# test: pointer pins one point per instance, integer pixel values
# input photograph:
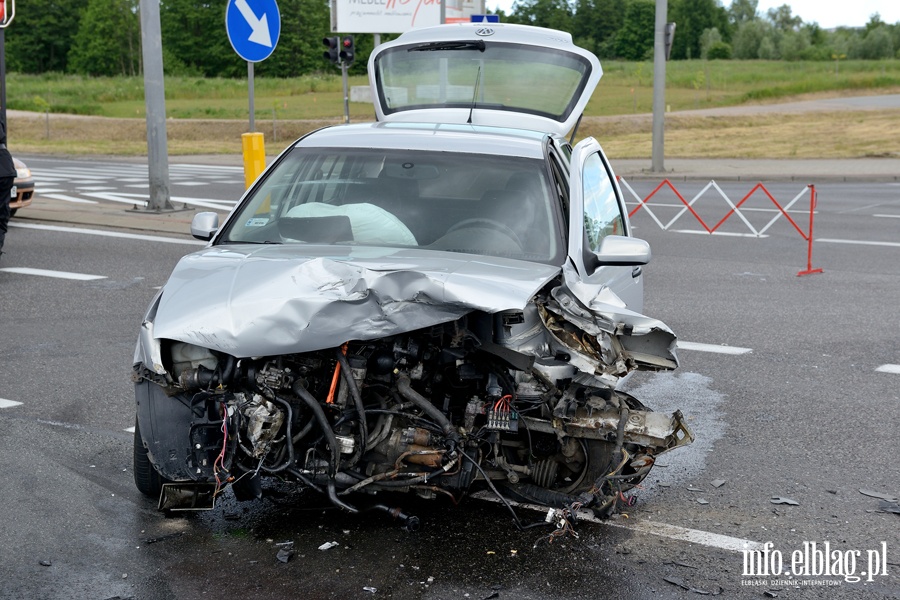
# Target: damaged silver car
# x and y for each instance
(439, 302)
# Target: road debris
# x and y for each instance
(717, 483)
(163, 538)
(45, 563)
(703, 501)
(889, 507)
(370, 589)
(886, 497)
(285, 554)
(780, 500)
(328, 545)
(678, 581)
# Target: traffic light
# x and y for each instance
(348, 51)
(333, 53)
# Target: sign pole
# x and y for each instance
(250, 93)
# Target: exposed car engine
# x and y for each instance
(485, 401)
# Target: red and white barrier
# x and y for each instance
(735, 209)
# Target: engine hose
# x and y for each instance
(324, 425)
(410, 523)
(544, 496)
(405, 387)
(288, 439)
(306, 480)
(357, 399)
(228, 371)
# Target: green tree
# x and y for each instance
(193, 34)
(767, 49)
(708, 38)
(692, 18)
(555, 14)
(635, 39)
(108, 41)
(783, 19)
(877, 44)
(793, 45)
(742, 11)
(748, 37)
(596, 24)
(40, 37)
(719, 51)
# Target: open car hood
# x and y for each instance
(484, 74)
(250, 300)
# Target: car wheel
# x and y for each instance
(147, 480)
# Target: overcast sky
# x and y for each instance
(827, 13)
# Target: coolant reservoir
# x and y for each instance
(189, 356)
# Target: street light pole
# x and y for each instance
(659, 88)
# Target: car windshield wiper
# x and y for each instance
(430, 47)
(250, 242)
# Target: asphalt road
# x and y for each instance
(804, 407)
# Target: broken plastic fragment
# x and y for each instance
(872, 494)
(284, 555)
(369, 589)
(717, 483)
(780, 500)
(702, 501)
(328, 545)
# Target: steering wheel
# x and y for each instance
(488, 224)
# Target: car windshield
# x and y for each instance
(449, 201)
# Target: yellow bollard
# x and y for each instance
(254, 156)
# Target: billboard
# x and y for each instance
(397, 16)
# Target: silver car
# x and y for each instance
(439, 302)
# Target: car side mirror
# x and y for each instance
(205, 225)
(623, 251)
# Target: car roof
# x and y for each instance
(442, 137)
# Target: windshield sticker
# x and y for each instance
(256, 222)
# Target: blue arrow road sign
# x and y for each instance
(253, 28)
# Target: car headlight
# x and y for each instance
(23, 173)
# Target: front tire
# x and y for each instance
(147, 480)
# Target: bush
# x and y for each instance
(719, 50)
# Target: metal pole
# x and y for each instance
(3, 78)
(250, 94)
(155, 99)
(659, 88)
(346, 95)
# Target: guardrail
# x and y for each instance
(735, 209)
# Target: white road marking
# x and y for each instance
(67, 198)
(115, 234)
(95, 188)
(55, 274)
(888, 216)
(674, 532)
(798, 211)
(4, 403)
(726, 233)
(861, 242)
(895, 369)
(735, 350)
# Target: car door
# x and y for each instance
(597, 210)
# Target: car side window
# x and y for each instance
(602, 216)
